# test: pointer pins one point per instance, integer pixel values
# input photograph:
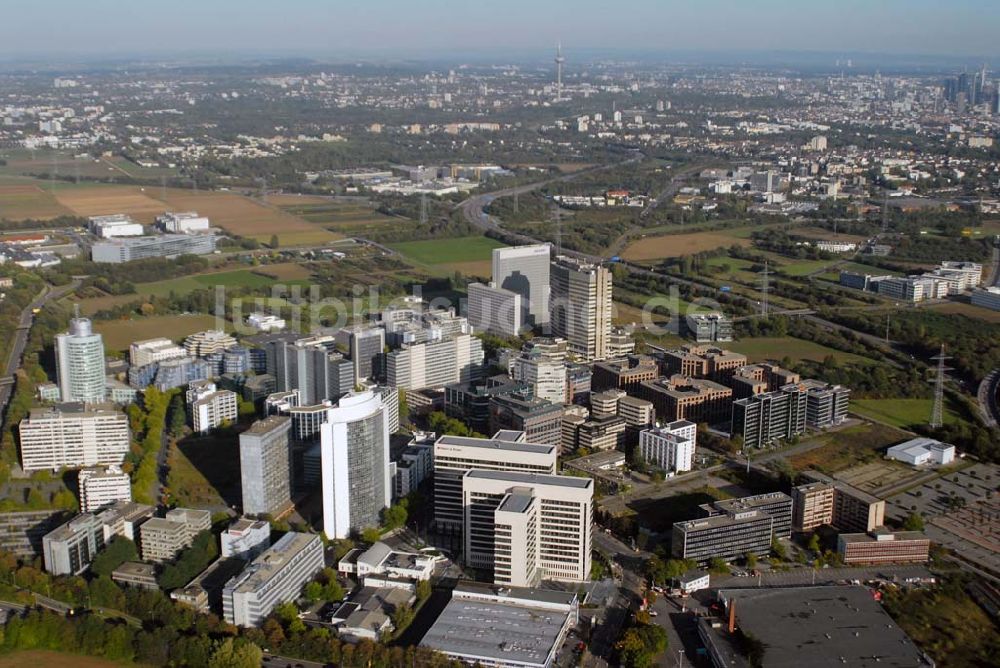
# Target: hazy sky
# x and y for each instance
(422, 27)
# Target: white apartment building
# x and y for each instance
(527, 527)
(245, 538)
(142, 353)
(183, 223)
(212, 409)
(669, 447)
(102, 486)
(456, 455)
(69, 435)
(276, 576)
(435, 364)
(494, 310)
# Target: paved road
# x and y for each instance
(21, 337)
(987, 398)
(276, 661)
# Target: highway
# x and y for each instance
(21, 337)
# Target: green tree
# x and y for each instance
(718, 566)
(236, 653)
(751, 559)
(118, 550)
(313, 591)
(813, 544)
(178, 416)
(913, 522)
(371, 535)
(274, 241)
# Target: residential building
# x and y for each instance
(275, 576)
(245, 539)
(581, 305)
(539, 419)
(525, 271)
(72, 435)
(458, 359)
(541, 365)
(116, 251)
(69, 549)
(692, 399)
(102, 486)
(142, 353)
(709, 327)
(213, 409)
(528, 627)
(921, 451)
(266, 466)
(625, 374)
(162, 538)
(80, 363)
(526, 527)
(764, 419)
(201, 344)
(494, 310)
(669, 447)
(881, 546)
(455, 455)
(355, 460)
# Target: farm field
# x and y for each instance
(902, 413)
(18, 202)
(118, 334)
(676, 245)
(827, 235)
(776, 348)
(470, 255)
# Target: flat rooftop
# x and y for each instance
(272, 560)
(496, 632)
(832, 626)
(496, 444)
(532, 478)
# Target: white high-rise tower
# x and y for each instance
(80, 363)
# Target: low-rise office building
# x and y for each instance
(922, 451)
(669, 447)
(539, 419)
(69, 549)
(116, 251)
(213, 409)
(709, 327)
(277, 575)
(163, 538)
(245, 538)
(882, 546)
(691, 399)
(824, 500)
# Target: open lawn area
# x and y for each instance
(18, 202)
(118, 334)
(470, 255)
(676, 245)
(844, 448)
(902, 413)
(37, 658)
(776, 348)
(201, 472)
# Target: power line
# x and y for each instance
(937, 414)
(764, 287)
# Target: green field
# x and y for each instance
(844, 448)
(902, 413)
(773, 348)
(805, 267)
(468, 255)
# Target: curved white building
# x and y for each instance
(354, 447)
(80, 363)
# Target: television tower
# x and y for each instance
(560, 60)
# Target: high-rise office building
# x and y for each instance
(765, 418)
(355, 462)
(542, 366)
(525, 527)
(366, 345)
(580, 304)
(456, 455)
(541, 420)
(71, 435)
(494, 310)
(313, 367)
(266, 466)
(80, 363)
(524, 270)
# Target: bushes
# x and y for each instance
(115, 553)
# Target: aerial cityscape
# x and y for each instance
(515, 336)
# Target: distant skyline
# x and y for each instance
(438, 28)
